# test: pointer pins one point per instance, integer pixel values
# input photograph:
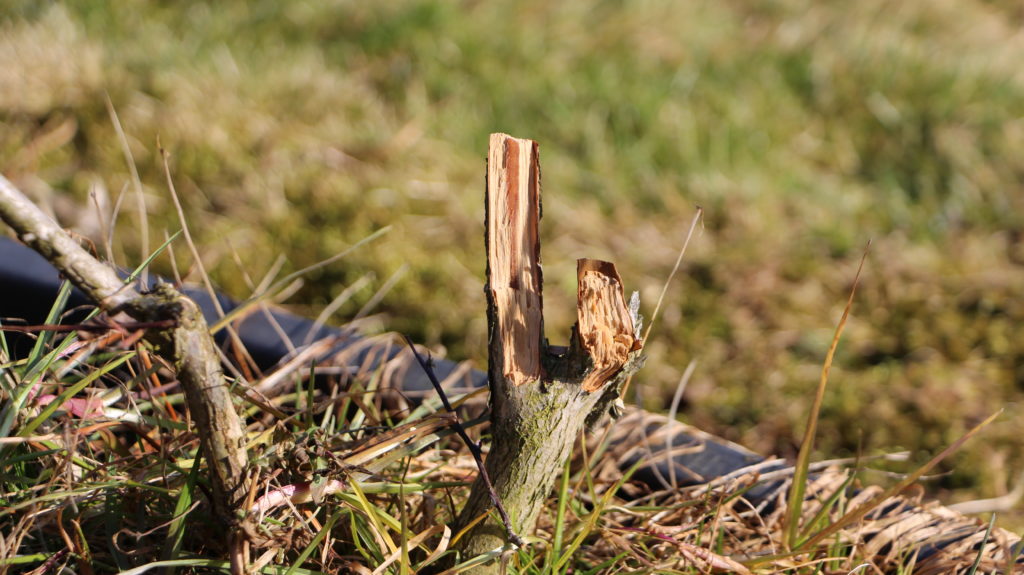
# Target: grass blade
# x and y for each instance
(145, 263)
(981, 547)
(315, 542)
(176, 530)
(52, 318)
(864, 509)
(563, 501)
(794, 508)
(56, 404)
(591, 521)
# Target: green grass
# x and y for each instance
(804, 130)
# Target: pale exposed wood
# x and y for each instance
(513, 254)
(605, 326)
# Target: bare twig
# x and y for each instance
(672, 274)
(90, 327)
(42, 234)
(474, 448)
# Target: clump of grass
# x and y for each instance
(101, 464)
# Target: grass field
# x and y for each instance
(804, 130)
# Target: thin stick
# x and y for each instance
(675, 268)
(185, 232)
(140, 198)
(99, 282)
(664, 290)
(473, 447)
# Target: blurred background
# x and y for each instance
(804, 129)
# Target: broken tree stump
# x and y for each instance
(542, 396)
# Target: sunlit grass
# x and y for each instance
(802, 130)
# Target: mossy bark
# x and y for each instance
(531, 439)
(190, 348)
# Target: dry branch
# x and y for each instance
(40, 233)
(187, 344)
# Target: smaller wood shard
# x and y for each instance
(605, 326)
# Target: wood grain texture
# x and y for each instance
(513, 255)
(605, 326)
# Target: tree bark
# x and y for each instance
(542, 396)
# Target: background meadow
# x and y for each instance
(804, 129)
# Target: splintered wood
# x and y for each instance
(605, 325)
(514, 277)
(513, 255)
